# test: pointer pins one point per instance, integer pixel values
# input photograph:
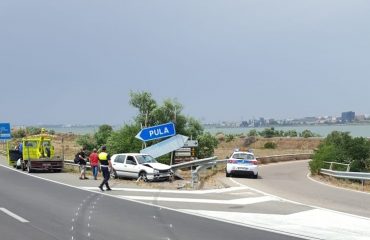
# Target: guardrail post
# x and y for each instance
(194, 176)
(331, 166)
(348, 167)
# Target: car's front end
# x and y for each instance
(158, 171)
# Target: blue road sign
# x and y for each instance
(5, 131)
(157, 132)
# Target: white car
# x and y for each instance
(136, 165)
(242, 163)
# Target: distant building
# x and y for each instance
(348, 116)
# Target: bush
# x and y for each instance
(342, 148)
(315, 166)
(33, 130)
(86, 141)
(307, 134)
(229, 137)
(270, 145)
(19, 133)
(124, 141)
(206, 145)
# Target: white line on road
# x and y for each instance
(315, 223)
(239, 201)
(13, 215)
(221, 190)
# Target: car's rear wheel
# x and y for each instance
(228, 174)
(113, 174)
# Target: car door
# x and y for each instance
(118, 165)
(131, 167)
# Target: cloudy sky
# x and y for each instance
(75, 61)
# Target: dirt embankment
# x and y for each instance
(224, 149)
(282, 146)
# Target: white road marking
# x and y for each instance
(13, 215)
(316, 223)
(239, 201)
(221, 190)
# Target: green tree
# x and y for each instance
(290, 133)
(124, 141)
(87, 141)
(193, 128)
(102, 135)
(253, 133)
(144, 102)
(206, 145)
(268, 133)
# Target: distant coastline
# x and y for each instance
(355, 129)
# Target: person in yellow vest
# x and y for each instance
(105, 165)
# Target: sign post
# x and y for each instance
(157, 132)
(5, 131)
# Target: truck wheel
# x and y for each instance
(29, 170)
(23, 167)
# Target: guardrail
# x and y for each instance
(336, 163)
(193, 163)
(347, 175)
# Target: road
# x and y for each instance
(289, 180)
(55, 211)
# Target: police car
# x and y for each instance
(242, 163)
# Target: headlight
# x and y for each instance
(156, 171)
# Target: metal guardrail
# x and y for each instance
(336, 163)
(192, 163)
(347, 175)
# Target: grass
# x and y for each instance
(343, 183)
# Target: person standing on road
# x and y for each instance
(105, 165)
(82, 163)
(94, 163)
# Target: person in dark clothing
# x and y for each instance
(105, 165)
(82, 163)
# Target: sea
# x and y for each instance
(355, 130)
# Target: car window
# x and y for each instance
(130, 160)
(120, 159)
(243, 156)
(145, 159)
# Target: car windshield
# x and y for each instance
(247, 156)
(145, 159)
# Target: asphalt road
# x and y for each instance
(54, 211)
(289, 180)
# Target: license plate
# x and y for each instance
(46, 164)
(242, 168)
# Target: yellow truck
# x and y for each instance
(35, 153)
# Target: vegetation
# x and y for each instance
(29, 131)
(342, 148)
(270, 145)
(149, 114)
(271, 132)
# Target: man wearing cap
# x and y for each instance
(105, 166)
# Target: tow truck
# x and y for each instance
(36, 153)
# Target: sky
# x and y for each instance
(76, 61)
